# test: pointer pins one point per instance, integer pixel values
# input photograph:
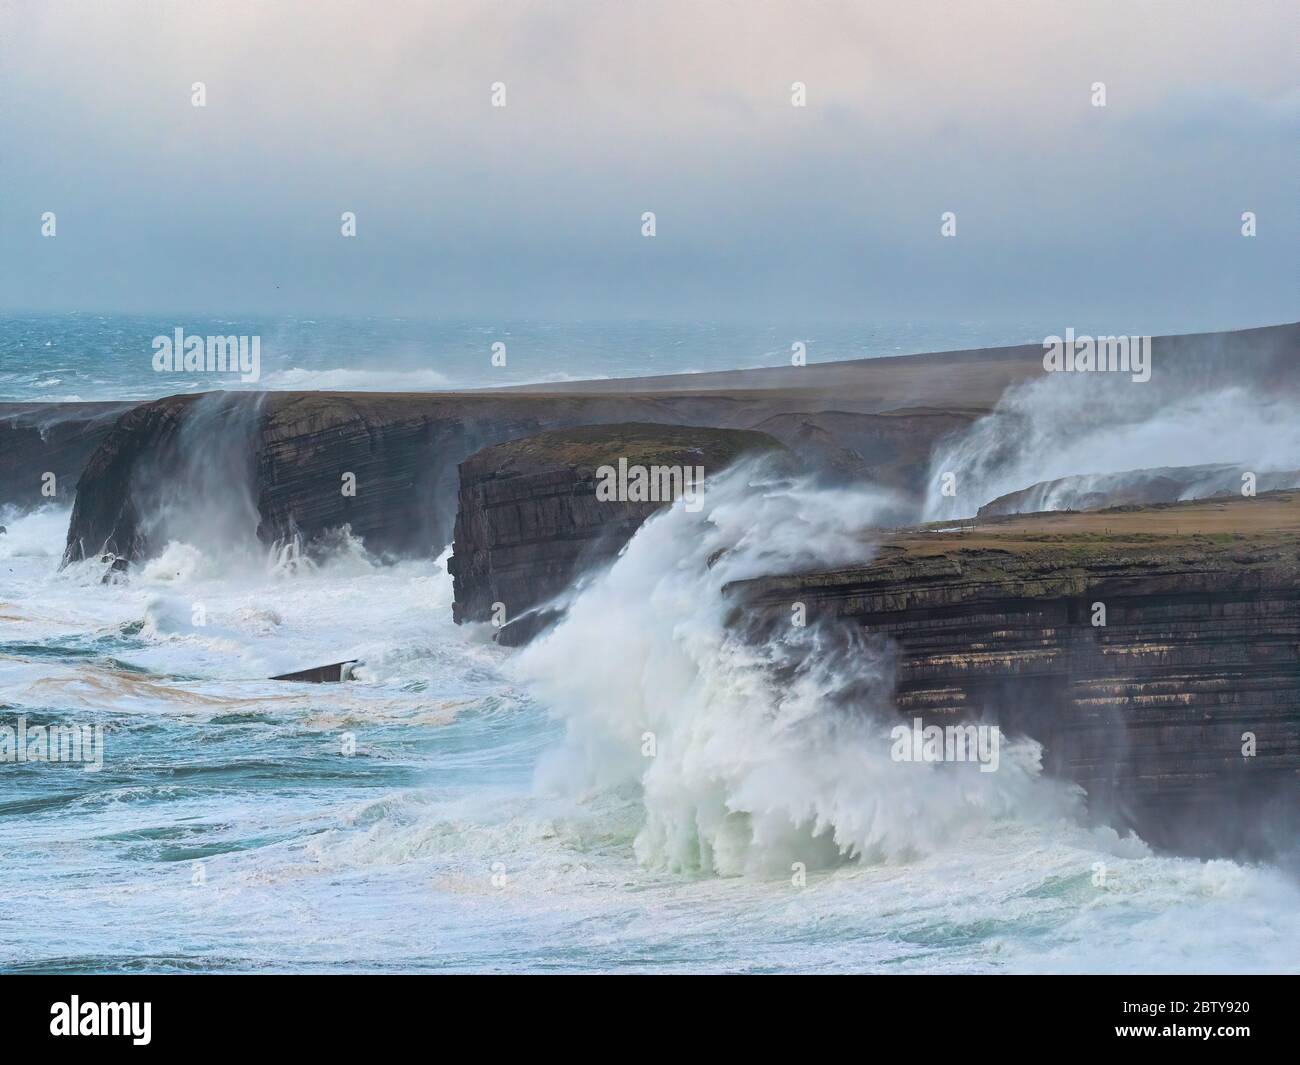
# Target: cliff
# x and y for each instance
(41, 438)
(531, 517)
(994, 623)
(173, 467)
(285, 455)
(1149, 711)
(180, 466)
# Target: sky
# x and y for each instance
(1128, 213)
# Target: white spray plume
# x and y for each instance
(1063, 425)
(766, 753)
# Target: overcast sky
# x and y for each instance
(1128, 213)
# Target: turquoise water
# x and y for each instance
(228, 829)
(464, 807)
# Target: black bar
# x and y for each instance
(336, 1014)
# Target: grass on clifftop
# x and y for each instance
(1206, 524)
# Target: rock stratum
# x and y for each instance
(277, 460)
(272, 465)
(990, 621)
(1148, 713)
(37, 439)
(531, 518)
(1167, 484)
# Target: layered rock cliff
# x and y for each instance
(532, 514)
(1147, 704)
(303, 464)
(280, 463)
(1147, 712)
(49, 438)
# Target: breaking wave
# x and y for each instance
(750, 756)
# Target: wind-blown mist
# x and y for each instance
(1100, 423)
(763, 754)
(204, 493)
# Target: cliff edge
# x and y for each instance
(1154, 652)
(536, 512)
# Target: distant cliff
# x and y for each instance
(1149, 712)
(285, 454)
(41, 438)
(531, 516)
(279, 461)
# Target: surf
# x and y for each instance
(750, 757)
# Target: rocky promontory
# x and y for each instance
(533, 515)
(1153, 651)
(1151, 711)
(281, 465)
(301, 464)
(38, 439)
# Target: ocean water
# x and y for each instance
(465, 807)
(62, 357)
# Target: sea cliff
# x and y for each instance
(532, 517)
(1154, 652)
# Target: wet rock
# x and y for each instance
(1148, 712)
(57, 438)
(280, 459)
(116, 572)
(334, 673)
(531, 517)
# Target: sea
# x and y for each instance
(638, 791)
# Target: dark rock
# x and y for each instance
(334, 673)
(57, 438)
(270, 465)
(1201, 645)
(891, 448)
(530, 519)
(106, 517)
(116, 572)
(276, 461)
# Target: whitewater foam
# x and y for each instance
(441, 844)
(1052, 428)
(753, 756)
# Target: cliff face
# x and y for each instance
(286, 458)
(531, 516)
(106, 515)
(57, 438)
(277, 461)
(1148, 712)
(891, 448)
(307, 463)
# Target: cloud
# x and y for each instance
(613, 109)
